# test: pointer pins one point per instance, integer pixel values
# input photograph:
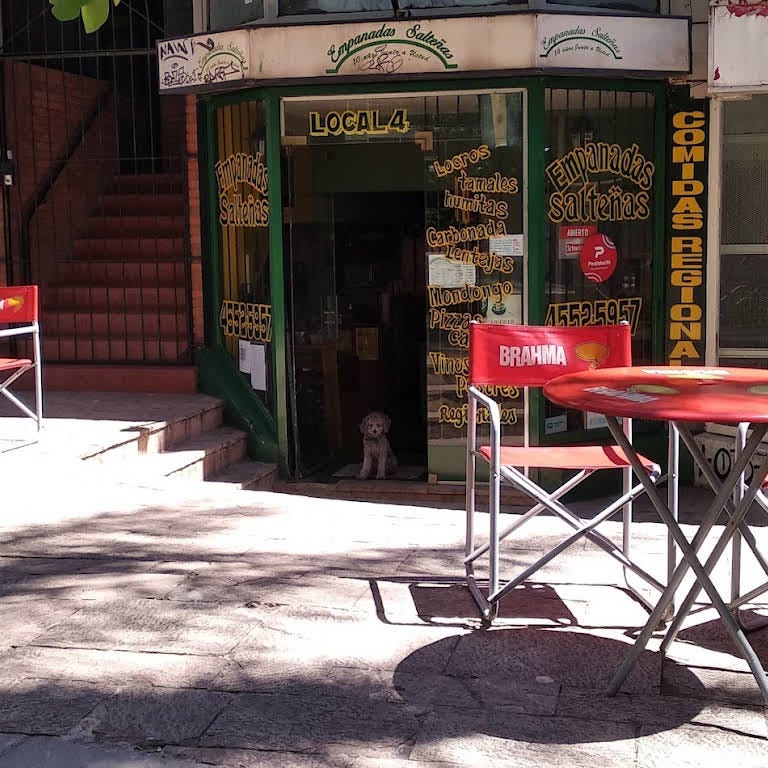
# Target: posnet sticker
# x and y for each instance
(598, 258)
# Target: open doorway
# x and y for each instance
(354, 244)
(380, 288)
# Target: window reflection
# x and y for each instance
(225, 14)
(644, 6)
(297, 7)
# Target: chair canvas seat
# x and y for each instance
(9, 363)
(503, 356)
(590, 457)
(19, 315)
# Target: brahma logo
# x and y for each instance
(592, 352)
(532, 354)
(14, 303)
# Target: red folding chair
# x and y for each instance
(19, 310)
(529, 356)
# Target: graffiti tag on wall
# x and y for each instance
(203, 60)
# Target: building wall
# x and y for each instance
(194, 218)
(698, 10)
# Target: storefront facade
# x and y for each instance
(371, 187)
(737, 236)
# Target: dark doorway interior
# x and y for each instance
(380, 287)
(354, 237)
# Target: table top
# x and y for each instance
(666, 393)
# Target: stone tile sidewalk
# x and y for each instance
(190, 626)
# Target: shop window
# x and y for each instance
(224, 14)
(404, 220)
(298, 7)
(640, 6)
(743, 327)
(600, 182)
(478, 156)
(245, 314)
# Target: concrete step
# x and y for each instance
(102, 349)
(143, 225)
(247, 475)
(116, 323)
(161, 203)
(82, 377)
(415, 492)
(183, 423)
(130, 248)
(132, 274)
(137, 183)
(72, 298)
(196, 458)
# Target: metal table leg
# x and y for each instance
(688, 553)
(736, 522)
(737, 598)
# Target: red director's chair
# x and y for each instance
(529, 356)
(19, 309)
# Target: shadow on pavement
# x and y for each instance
(546, 686)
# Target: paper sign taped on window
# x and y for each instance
(243, 355)
(506, 245)
(449, 273)
(258, 366)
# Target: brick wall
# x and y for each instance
(45, 110)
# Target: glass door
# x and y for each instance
(475, 251)
(308, 236)
(353, 233)
(404, 220)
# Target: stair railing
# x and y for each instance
(102, 102)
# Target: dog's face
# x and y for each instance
(375, 425)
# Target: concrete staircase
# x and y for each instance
(121, 298)
(190, 444)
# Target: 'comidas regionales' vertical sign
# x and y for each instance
(687, 229)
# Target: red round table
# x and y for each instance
(681, 395)
(670, 393)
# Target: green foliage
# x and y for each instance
(93, 12)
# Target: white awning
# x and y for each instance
(382, 50)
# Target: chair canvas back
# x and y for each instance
(531, 355)
(18, 304)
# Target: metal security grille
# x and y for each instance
(618, 122)
(94, 201)
(583, 204)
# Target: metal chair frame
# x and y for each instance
(517, 477)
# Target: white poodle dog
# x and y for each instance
(376, 447)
